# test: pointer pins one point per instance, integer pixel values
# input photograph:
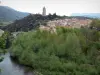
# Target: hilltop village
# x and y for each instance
(67, 22)
(46, 22)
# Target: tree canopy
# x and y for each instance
(69, 52)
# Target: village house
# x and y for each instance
(69, 23)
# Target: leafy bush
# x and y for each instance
(69, 52)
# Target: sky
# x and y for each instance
(61, 7)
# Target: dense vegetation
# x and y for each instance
(4, 43)
(95, 24)
(30, 22)
(69, 52)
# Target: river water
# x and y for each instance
(8, 67)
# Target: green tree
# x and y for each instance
(68, 52)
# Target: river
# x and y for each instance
(8, 67)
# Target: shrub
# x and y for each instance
(69, 52)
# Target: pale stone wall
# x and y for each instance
(1, 32)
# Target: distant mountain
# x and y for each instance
(9, 14)
(91, 15)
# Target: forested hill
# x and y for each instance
(30, 22)
(9, 14)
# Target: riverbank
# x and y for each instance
(9, 67)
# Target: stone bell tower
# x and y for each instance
(44, 11)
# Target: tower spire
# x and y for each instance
(44, 11)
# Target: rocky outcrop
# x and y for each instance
(1, 32)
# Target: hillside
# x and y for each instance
(35, 20)
(30, 22)
(9, 14)
(91, 15)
